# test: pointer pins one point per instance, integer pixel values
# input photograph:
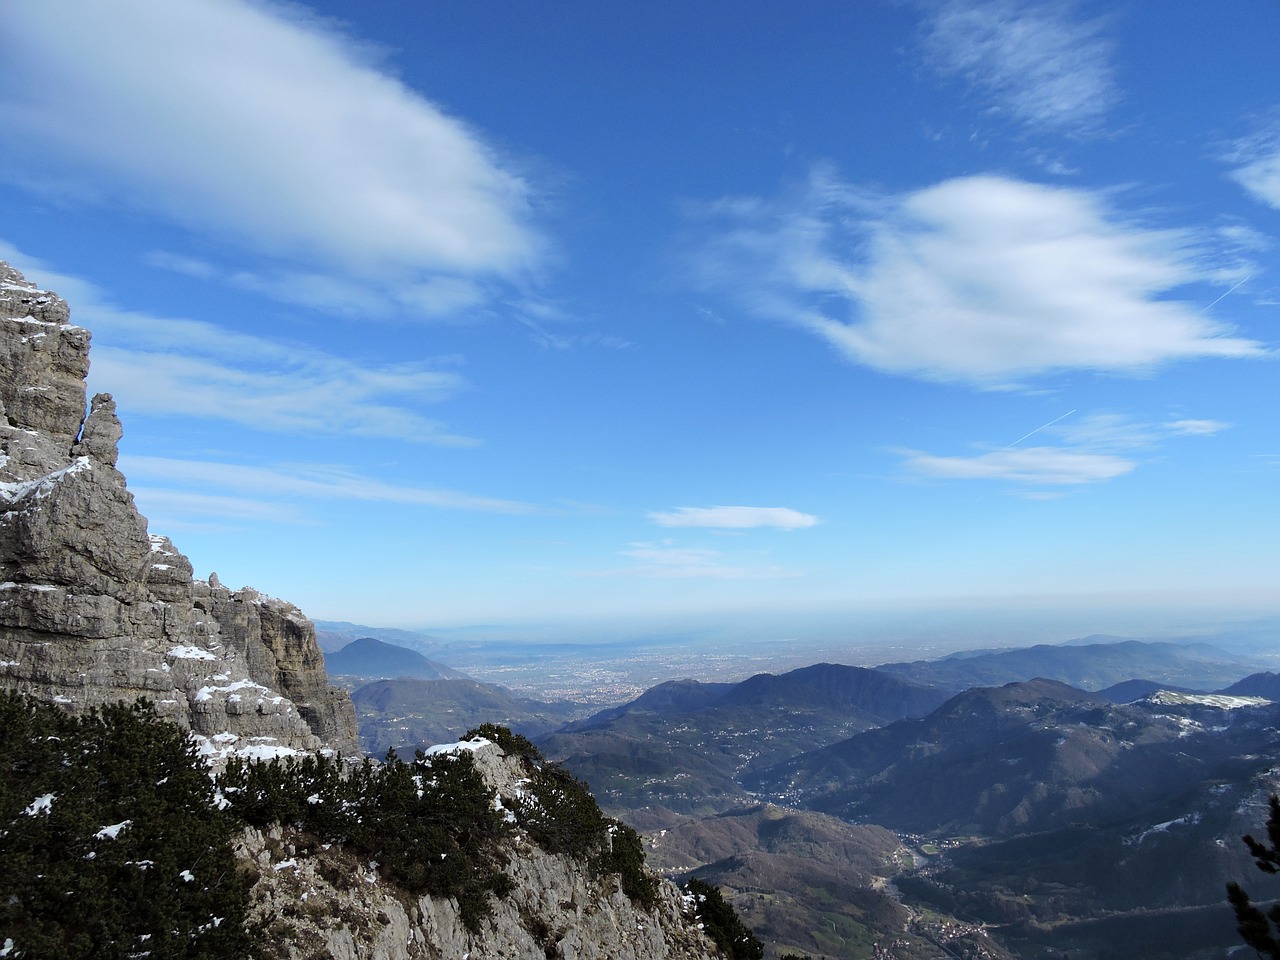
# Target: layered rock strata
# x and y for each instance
(94, 609)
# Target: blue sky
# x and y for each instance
(438, 313)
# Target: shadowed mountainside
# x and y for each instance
(370, 657)
(411, 714)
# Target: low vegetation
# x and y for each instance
(116, 843)
(430, 824)
(110, 842)
(721, 923)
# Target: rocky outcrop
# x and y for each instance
(94, 609)
(322, 902)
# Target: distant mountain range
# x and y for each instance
(370, 657)
(1091, 666)
(333, 635)
(683, 744)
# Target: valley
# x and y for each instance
(905, 811)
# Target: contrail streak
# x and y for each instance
(1043, 425)
(1224, 296)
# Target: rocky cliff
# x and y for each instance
(320, 901)
(93, 608)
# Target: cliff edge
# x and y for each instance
(93, 608)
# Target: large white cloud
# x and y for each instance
(1035, 61)
(251, 120)
(983, 279)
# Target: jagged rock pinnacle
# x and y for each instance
(93, 609)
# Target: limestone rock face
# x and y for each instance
(93, 609)
(556, 908)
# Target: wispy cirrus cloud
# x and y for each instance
(260, 123)
(1197, 428)
(1255, 162)
(1035, 62)
(171, 366)
(734, 518)
(1092, 449)
(1035, 465)
(668, 560)
(984, 280)
(248, 484)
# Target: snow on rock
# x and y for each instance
(191, 653)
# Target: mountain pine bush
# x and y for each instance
(1258, 929)
(721, 922)
(429, 823)
(110, 843)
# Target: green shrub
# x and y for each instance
(721, 922)
(429, 824)
(109, 838)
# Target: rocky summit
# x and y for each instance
(93, 608)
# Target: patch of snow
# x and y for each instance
(206, 693)
(59, 698)
(187, 876)
(7, 949)
(112, 831)
(1222, 701)
(463, 746)
(291, 863)
(264, 751)
(183, 652)
(42, 486)
(42, 804)
(1189, 820)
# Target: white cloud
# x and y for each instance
(1256, 161)
(1049, 465)
(667, 560)
(781, 518)
(176, 508)
(166, 366)
(985, 280)
(1090, 451)
(1033, 60)
(1197, 428)
(258, 122)
(317, 481)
